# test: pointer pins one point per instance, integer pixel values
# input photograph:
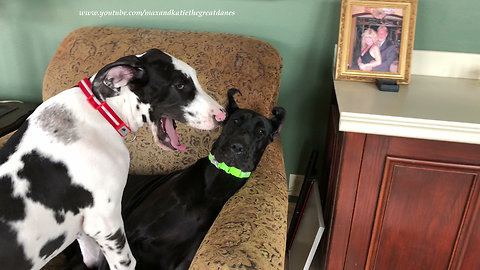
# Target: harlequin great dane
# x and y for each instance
(63, 172)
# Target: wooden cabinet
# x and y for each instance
(400, 203)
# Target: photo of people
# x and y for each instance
(375, 41)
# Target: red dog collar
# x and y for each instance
(103, 108)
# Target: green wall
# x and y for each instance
(303, 31)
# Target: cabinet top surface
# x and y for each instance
(435, 108)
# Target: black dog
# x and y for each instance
(166, 218)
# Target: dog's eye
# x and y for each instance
(180, 86)
(236, 121)
(260, 132)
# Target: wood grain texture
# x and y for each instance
(421, 214)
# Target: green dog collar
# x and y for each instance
(230, 170)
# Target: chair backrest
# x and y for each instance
(222, 61)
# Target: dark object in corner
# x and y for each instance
(12, 114)
(387, 85)
(310, 175)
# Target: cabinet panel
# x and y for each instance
(421, 214)
(366, 198)
(341, 199)
(470, 258)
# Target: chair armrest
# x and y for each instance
(250, 231)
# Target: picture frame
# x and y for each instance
(375, 40)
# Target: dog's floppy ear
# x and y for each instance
(112, 77)
(277, 121)
(232, 105)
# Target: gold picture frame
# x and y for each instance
(375, 40)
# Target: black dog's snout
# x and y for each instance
(237, 148)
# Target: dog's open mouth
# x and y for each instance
(165, 134)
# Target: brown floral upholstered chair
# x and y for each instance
(250, 231)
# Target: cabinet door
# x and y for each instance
(416, 205)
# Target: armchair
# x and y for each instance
(251, 229)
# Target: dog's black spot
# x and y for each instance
(51, 185)
(126, 263)
(52, 245)
(144, 118)
(11, 208)
(59, 122)
(59, 217)
(11, 145)
(12, 255)
(161, 90)
(118, 238)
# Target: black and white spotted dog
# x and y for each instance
(63, 172)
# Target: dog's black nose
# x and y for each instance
(237, 148)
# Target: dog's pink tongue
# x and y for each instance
(173, 135)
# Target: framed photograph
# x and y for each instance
(375, 40)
